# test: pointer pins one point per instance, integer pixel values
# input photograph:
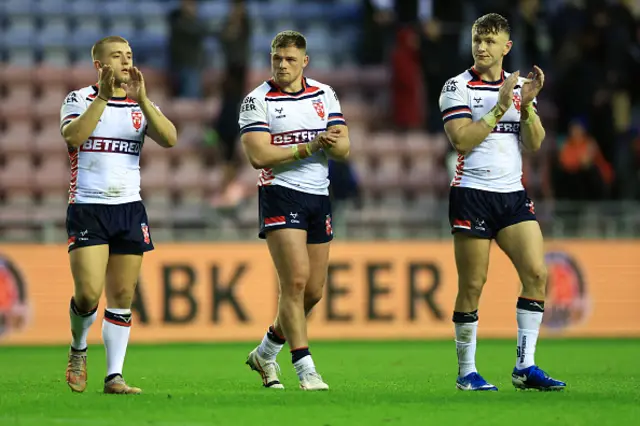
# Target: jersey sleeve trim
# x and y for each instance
(257, 126)
(460, 111)
(335, 119)
(67, 119)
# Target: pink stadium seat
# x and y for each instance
(49, 140)
(49, 104)
(189, 110)
(45, 75)
(82, 76)
(188, 175)
(17, 173)
(19, 102)
(17, 74)
(155, 173)
(53, 173)
(387, 176)
(18, 138)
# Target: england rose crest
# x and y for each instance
(319, 107)
(136, 118)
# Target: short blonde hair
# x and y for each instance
(97, 48)
(289, 39)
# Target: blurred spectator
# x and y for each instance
(377, 25)
(186, 49)
(406, 85)
(235, 38)
(583, 174)
(441, 25)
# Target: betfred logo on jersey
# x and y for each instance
(118, 146)
(507, 127)
(319, 107)
(136, 118)
(296, 136)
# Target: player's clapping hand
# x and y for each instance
(329, 138)
(135, 87)
(533, 85)
(505, 96)
(106, 82)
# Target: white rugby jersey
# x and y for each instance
(293, 118)
(496, 164)
(105, 169)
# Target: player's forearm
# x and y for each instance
(268, 156)
(80, 128)
(472, 134)
(531, 131)
(162, 129)
(340, 151)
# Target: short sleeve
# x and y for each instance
(73, 106)
(253, 115)
(453, 101)
(335, 112)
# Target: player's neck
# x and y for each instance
(489, 74)
(119, 93)
(293, 87)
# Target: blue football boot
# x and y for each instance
(534, 378)
(474, 382)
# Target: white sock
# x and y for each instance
(466, 333)
(304, 366)
(80, 324)
(269, 349)
(528, 329)
(116, 328)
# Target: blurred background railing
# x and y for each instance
(386, 59)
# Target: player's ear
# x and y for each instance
(305, 61)
(507, 48)
(97, 64)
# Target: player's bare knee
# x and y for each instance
(295, 286)
(120, 297)
(472, 288)
(311, 298)
(86, 298)
(535, 277)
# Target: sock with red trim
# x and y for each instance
(80, 324)
(302, 361)
(271, 344)
(116, 328)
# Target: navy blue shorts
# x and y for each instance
(124, 227)
(484, 213)
(281, 207)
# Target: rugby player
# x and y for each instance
(290, 126)
(104, 127)
(489, 116)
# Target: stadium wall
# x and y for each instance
(381, 290)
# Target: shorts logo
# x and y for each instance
(462, 224)
(14, 309)
(145, 233)
(136, 118)
(275, 221)
(327, 225)
(530, 206)
(319, 107)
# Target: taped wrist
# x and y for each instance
(493, 116)
(531, 114)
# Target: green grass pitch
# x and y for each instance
(386, 383)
